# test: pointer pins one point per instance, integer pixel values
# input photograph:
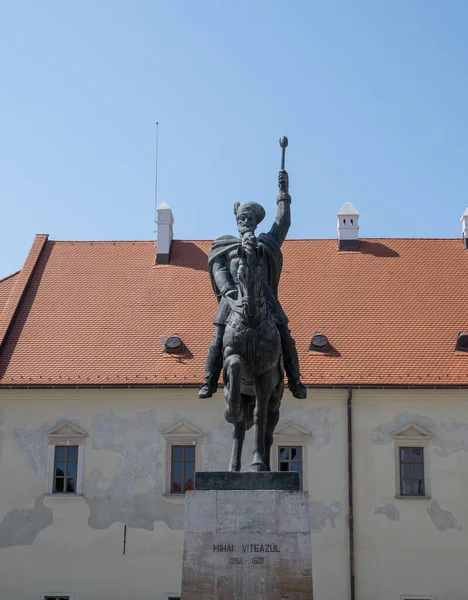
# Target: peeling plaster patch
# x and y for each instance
(316, 420)
(320, 512)
(34, 443)
(443, 519)
(389, 510)
(134, 496)
(448, 436)
(20, 527)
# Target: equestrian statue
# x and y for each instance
(252, 342)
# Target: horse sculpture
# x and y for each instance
(252, 361)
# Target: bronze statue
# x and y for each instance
(252, 339)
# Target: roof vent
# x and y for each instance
(319, 343)
(347, 222)
(173, 344)
(164, 220)
(462, 342)
(464, 221)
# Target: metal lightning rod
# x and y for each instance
(156, 180)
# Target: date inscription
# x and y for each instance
(238, 560)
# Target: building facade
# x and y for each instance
(101, 428)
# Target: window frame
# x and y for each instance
(412, 436)
(291, 435)
(181, 434)
(65, 434)
(182, 460)
(67, 461)
(291, 460)
(412, 462)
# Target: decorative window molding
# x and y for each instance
(411, 432)
(65, 434)
(181, 434)
(412, 436)
(291, 435)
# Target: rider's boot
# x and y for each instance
(213, 366)
(298, 389)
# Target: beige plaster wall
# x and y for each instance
(417, 547)
(414, 547)
(75, 545)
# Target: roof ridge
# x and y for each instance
(10, 276)
(13, 304)
(101, 241)
(309, 239)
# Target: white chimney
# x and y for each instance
(464, 222)
(164, 220)
(347, 223)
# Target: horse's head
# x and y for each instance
(250, 275)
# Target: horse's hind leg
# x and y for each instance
(272, 421)
(232, 389)
(238, 436)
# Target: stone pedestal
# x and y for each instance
(247, 544)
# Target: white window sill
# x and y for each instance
(175, 498)
(65, 496)
(413, 497)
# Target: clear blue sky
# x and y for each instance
(373, 96)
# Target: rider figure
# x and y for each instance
(223, 264)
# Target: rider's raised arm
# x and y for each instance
(222, 276)
(282, 223)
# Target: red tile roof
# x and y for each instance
(94, 312)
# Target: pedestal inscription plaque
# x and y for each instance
(247, 545)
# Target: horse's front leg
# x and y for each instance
(238, 436)
(232, 389)
(263, 388)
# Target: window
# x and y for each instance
(57, 597)
(290, 459)
(182, 469)
(412, 462)
(412, 471)
(171, 597)
(65, 469)
(65, 460)
(290, 444)
(183, 451)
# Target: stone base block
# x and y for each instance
(267, 480)
(247, 545)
